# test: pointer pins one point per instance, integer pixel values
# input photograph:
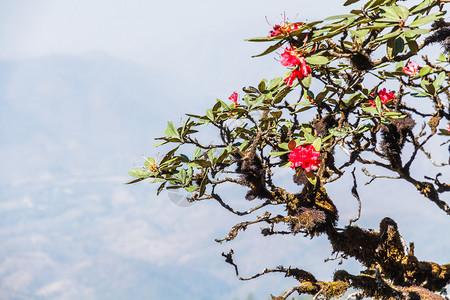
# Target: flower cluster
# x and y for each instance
(234, 97)
(284, 28)
(306, 157)
(385, 97)
(294, 59)
(411, 68)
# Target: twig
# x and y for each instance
(229, 259)
(239, 213)
(377, 176)
(356, 195)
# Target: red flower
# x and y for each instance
(385, 97)
(234, 98)
(277, 30)
(290, 57)
(302, 71)
(284, 28)
(305, 70)
(448, 127)
(306, 157)
(411, 68)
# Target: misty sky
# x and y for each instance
(85, 87)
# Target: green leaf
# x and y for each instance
(420, 95)
(182, 175)
(349, 2)
(428, 87)
(317, 143)
(161, 143)
(388, 36)
(258, 39)
(278, 153)
(134, 181)
(427, 19)
(199, 163)
(306, 81)
(317, 60)
(402, 11)
(262, 85)
(399, 45)
(190, 188)
(139, 173)
(281, 94)
(276, 114)
(364, 128)
(416, 31)
(269, 50)
(421, 6)
(209, 114)
(386, 121)
(374, 3)
(203, 184)
(338, 133)
(160, 188)
(399, 66)
(390, 12)
(222, 156)
(439, 80)
(311, 177)
(211, 155)
(171, 131)
(250, 90)
(274, 83)
(360, 33)
(378, 104)
(168, 156)
(308, 136)
(370, 110)
(258, 101)
(424, 71)
(243, 146)
(412, 44)
(339, 16)
(197, 153)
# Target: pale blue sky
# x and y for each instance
(85, 86)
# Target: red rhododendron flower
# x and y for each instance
(234, 98)
(284, 28)
(290, 79)
(290, 57)
(303, 71)
(411, 68)
(306, 157)
(448, 127)
(384, 97)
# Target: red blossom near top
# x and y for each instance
(234, 98)
(302, 71)
(411, 68)
(448, 128)
(385, 97)
(284, 28)
(306, 157)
